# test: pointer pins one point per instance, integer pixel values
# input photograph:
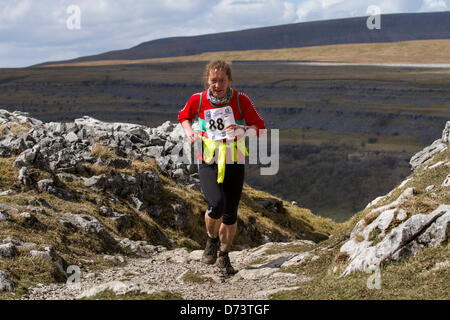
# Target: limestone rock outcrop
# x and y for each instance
(391, 233)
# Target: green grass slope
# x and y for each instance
(423, 276)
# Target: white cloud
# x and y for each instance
(434, 5)
(289, 14)
(329, 3)
(309, 10)
(14, 10)
(243, 14)
(27, 25)
(185, 5)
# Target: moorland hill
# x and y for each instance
(394, 28)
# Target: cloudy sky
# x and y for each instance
(35, 31)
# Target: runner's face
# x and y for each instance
(218, 82)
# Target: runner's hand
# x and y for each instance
(191, 136)
(235, 130)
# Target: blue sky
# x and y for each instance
(35, 31)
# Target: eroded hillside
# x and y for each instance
(396, 248)
(73, 193)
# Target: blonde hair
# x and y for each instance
(219, 65)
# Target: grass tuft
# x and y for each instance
(136, 295)
(195, 277)
(101, 151)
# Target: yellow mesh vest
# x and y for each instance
(210, 146)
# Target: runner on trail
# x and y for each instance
(225, 117)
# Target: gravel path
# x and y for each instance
(168, 270)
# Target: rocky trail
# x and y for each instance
(179, 271)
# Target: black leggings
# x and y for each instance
(223, 198)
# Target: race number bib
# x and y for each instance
(216, 120)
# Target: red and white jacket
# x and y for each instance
(243, 110)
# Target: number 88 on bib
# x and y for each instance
(216, 122)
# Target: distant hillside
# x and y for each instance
(403, 53)
(394, 27)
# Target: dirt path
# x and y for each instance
(182, 272)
